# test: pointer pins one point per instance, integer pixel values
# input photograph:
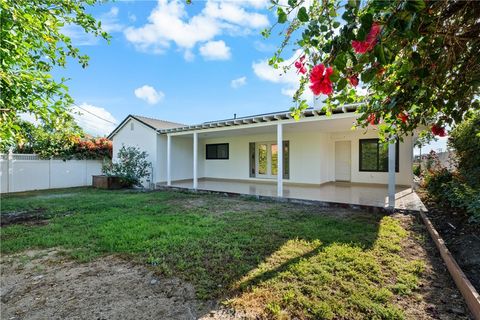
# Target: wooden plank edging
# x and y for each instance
(471, 296)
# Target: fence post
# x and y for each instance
(10, 171)
(86, 172)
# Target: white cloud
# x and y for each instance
(109, 22)
(215, 50)
(290, 79)
(96, 121)
(170, 23)
(149, 94)
(237, 83)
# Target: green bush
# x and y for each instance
(451, 190)
(131, 166)
(416, 170)
(465, 139)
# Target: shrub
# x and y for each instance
(416, 170)
(131, 166)
(451, 190)
(465, 139)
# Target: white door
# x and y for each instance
(342, 160)
(266, 159)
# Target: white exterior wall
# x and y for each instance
(182, 158)
(312, 157)
(142, 137)
(26, 175)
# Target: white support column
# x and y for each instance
(280, 160)
(391, 174)
(169, 160)
(195, 156)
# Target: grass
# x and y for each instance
(272, 259)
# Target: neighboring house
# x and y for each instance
(317, 150)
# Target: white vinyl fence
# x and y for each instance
(24, 172)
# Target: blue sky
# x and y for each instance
(178, 62)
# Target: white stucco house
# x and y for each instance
(322, 159)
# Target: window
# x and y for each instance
(217, 151)
(132, 127)
(374, 155)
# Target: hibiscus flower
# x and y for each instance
(372, 119)
(320, 80)
(353, 80)
(438, 131)
(403, 116)
(300, 65)
(370, 40)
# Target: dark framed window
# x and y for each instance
(374, 155)
(217, 151)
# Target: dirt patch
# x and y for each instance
(44, 285)
(31, 217)
(461, 237)
(437, 296)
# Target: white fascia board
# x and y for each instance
(272, 123)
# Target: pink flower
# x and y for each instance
(300, 65)
(370, 40)
(438, 131)
(353, 80)
(320, 79)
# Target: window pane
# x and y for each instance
(211, 151)
(274, 159)
(383, 157)
(286, 159)
(369, 155)
(222, 151)
(262, 159)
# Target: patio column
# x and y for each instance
(279, 160)
(169, 160)
(195, 154)
(391, 173)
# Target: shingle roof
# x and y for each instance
(154, 124)
(157, 123)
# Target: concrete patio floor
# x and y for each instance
(373, 195)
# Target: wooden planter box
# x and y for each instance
(105, 182)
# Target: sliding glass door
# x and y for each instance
(267, 159)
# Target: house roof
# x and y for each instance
(154, 124)
(265, 117)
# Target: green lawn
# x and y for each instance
(273, 259)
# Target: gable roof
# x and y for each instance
(154, 124)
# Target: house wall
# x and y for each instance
(182, 158)
(312, 157)
(142, 137)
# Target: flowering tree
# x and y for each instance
(418, 60)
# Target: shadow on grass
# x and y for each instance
(219, 244)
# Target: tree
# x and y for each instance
(31, 45)
(418, 59)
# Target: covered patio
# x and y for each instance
(356, 194)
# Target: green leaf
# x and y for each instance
(282, 16)
(302, 14)
(368, 75)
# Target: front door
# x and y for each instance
(342, 161)
(266, 159)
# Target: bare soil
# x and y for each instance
(461, 236)
(43, 285)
